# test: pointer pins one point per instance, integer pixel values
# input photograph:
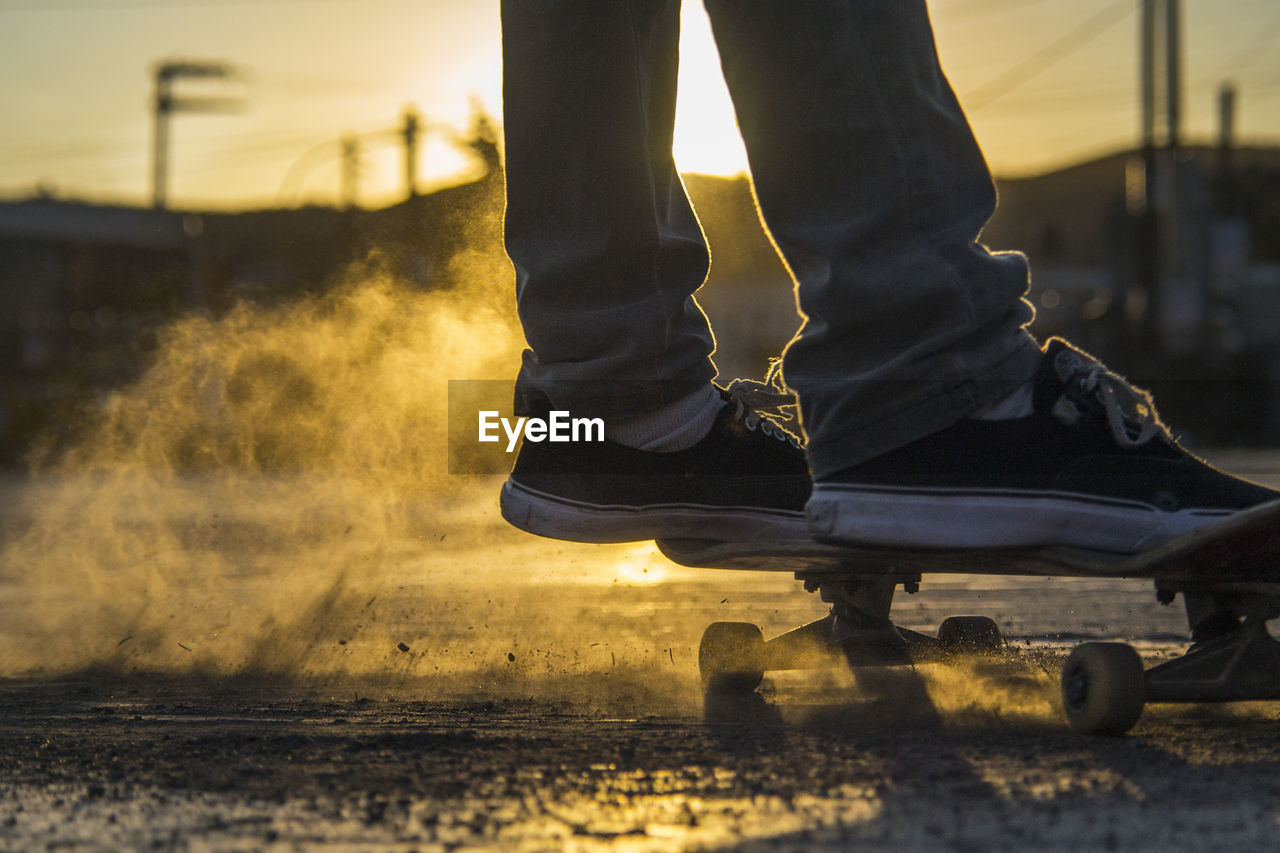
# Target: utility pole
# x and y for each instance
(166, 104)
(411, 132)
(1178, 288)
(1148, 232)
(350, 170)
(1157, 240)
(1226, 116)
(1173, 73)
(1225, 203)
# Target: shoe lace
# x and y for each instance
(1130, 412)
(766, 404)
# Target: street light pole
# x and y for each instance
(163, 107)
(411, 132)
(166, 104)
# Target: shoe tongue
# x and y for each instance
(1061, 362)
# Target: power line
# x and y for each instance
(1247, 55)
(37, 151)
(979, 9)
(1104, 87)
(1083, 102)
(1098, 123)
(127, 5)
(1048, 56)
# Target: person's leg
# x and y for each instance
(608, 254)
(873, 188)
(605, 244)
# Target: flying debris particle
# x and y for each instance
(511, 656)
(188, 648)
(724, 601)
(402, 647)
(125, 640)
(370, 601)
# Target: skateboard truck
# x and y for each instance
(1232, 657)
(735, 655)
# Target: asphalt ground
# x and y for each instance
(270, 665)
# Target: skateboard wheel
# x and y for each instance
(970, 634)
(730, 657)
(1103, 688)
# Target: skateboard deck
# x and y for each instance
(1243, 549)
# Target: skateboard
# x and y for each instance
(1227, 573)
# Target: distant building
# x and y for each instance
(1221, 252)
(86, 286)
(1213, 358)
(1217, 370)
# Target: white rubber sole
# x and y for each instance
(558, 518)
(955, 518)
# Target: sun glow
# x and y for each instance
(638, 566)
(706, 136)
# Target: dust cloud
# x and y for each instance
(272, 496)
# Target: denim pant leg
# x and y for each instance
(605, 244)
(871, 184)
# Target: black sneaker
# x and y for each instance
(747, 480)
(1093, 467)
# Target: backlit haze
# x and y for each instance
(1046, 83)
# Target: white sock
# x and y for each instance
(677, 426)
(1019, 404)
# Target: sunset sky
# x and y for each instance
(1045, 82)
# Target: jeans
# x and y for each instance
(869, 181)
